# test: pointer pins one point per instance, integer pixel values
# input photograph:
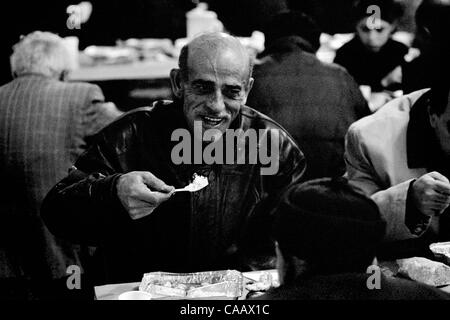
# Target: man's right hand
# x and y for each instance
(140, 193)
(431, 193)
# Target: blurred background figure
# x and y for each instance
(372, 57)
(315, 101)
(45, 125)
(432, 35)
(327, 236)
(46, 15)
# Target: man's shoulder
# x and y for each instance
(396, 46)
(76, 85)
(257, 120)
(137, 119)
(297, 60)
(350, 46)
(392, 117)
(252, 119)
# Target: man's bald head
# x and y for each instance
(210, 44)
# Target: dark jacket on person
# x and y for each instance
(369, 68)
(205, 230)
(315, 101)
(354, 286)
(44, 126)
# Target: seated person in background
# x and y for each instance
(433, 30)
(45, 125)
(315, 101)
(400, 158)
(327, 235)
(372, 57)
(121, 194)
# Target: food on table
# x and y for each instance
(218, 284)
(265, 282)
(441, 251)
(426, 271)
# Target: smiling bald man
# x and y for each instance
(121, 194)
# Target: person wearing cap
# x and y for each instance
(333, 264)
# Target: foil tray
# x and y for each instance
(441, 251)
(224, 284)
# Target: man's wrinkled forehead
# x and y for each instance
(211, 49)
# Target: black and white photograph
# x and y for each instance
(225, 155)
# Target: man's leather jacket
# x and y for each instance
(211, 229)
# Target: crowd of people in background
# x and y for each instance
(359, 174)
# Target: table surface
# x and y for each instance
(112, 291)
(139, 70)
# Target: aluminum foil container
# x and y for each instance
(224, 284)
(441, 251)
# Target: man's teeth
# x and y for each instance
(212, 120)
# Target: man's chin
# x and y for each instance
(213, 133)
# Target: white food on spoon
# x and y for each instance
(197, 184)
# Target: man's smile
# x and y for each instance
(212, 121)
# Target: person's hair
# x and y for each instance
(390, 10)
(293, 23)
(440, 80)
(328, 225)
(41, 53)
(209, 39)
(433, 17)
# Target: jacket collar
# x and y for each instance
(421, 144)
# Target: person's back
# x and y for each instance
(315, 101)
(45, 126)
(372, 57)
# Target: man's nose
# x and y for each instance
(372, 36)
(216, 102)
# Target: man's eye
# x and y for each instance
(379, 30)
(234, 93)
(202, 88)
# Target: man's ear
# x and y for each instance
(250, 84)
(176, 83)
(248, 88)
